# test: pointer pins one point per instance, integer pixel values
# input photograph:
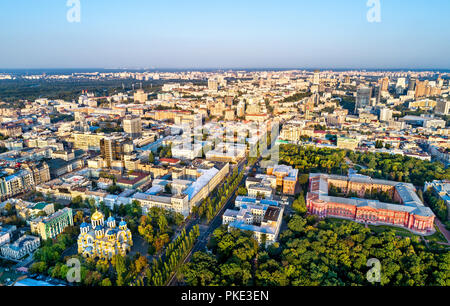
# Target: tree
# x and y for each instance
(162, 224)
(242, 191)
(79, 217)
(120, 267)
(141, 264)
(114, 189)
(77, 201)
(151, 158)
(201, 270)
(299, 205)
(303, 179)
(106, 282)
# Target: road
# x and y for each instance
(351, 164)
(216, 222)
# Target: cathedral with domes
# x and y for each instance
(104, 240)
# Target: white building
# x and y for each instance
(6, 232)
(16, 183)
(258, 190)
(187, 151)
(21, 247)
(261, 219)
(442, 107)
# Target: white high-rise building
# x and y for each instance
(213, 84)
(442, 107)
(385, 114)
(316, 80)
(132, 125)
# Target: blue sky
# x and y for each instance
(225, 34)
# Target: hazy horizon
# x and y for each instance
(202, 34)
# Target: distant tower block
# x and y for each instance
(132, 125)
(316, 80)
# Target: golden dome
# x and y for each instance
(97, 216)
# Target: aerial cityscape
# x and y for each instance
(198, 175)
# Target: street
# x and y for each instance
(215, 223)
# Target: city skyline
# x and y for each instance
(202, 35)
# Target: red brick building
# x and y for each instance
(410, 213)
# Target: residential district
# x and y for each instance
(151, 174)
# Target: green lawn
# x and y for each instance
(438, 236)
(401, 232)
(336, 221)
(385, 228)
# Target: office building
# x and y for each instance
(385, 114)
(87, 141)
(316, 78)
(442, 107)
(140, 96)
(213, 85)
(16, 183)
(363, 97)
(114, 149)
(263, 219)
(412, 84)
(53, 225)
(132, 125)
(384, 84)
(287, 178)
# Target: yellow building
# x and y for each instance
(347, 143)
(104, 241)
(88, 141)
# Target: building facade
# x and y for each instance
(53, 225)
(21, 247)
(104, 240)
(263, 219)
(410, 213)
(132, 125)
(287, 178)
(17, 183)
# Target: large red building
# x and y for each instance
(411, 213)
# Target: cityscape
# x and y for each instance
(232, 177)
